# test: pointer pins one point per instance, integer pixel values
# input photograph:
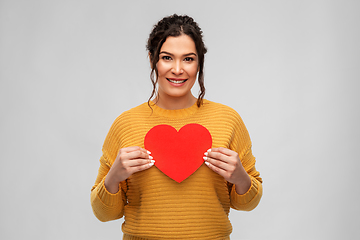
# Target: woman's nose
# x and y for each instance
(177, 68)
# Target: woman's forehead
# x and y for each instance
(179, 45)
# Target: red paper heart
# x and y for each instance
(178, 154)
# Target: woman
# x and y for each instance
(181, 197)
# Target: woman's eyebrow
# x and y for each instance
(188, 54)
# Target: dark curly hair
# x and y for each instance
(174, 26)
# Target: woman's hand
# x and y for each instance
(227, 163)
(128, 161)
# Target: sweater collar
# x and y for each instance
(178, 113)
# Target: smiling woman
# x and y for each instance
(198, 160)
(177, 72)
(180, 34)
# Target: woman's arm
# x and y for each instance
(106, 206)
(227, 163)
(244, 181)
(128, 161)
(250, 199)
(108, 196)
(236, 164)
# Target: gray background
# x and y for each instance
(290, 68)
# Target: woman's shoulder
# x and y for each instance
(219, 108)
(132, 114)
(135, 111)
(227, 117)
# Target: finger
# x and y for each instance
(217, 163)
(138, 154)
(132, 149)
(223, 150)
(142, 167)
(216, 169)
(217, 156)
(139, 162)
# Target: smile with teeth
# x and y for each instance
(176, 81)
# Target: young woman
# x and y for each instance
(175, 165)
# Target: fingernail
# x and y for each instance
(150, 157)
(205, 158)
(150, 164)
(206, 153)
(207, 164)
(148, 152)
(152, 161)
(209, 150)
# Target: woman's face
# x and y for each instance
(177, 68)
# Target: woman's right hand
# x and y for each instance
(128, 161)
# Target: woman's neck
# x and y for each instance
(173, 103)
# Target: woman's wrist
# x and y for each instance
(243, 186)
(110, 185)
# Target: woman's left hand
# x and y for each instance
(227, 163)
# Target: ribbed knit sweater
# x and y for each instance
(157, 207)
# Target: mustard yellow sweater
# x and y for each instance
(157, 207)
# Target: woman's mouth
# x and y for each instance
(176, 81)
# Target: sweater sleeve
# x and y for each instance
(107, 206)
(249, 200)
(241, 143)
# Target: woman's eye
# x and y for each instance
(167, 58)
(189, 59)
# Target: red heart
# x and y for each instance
(178, 154)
